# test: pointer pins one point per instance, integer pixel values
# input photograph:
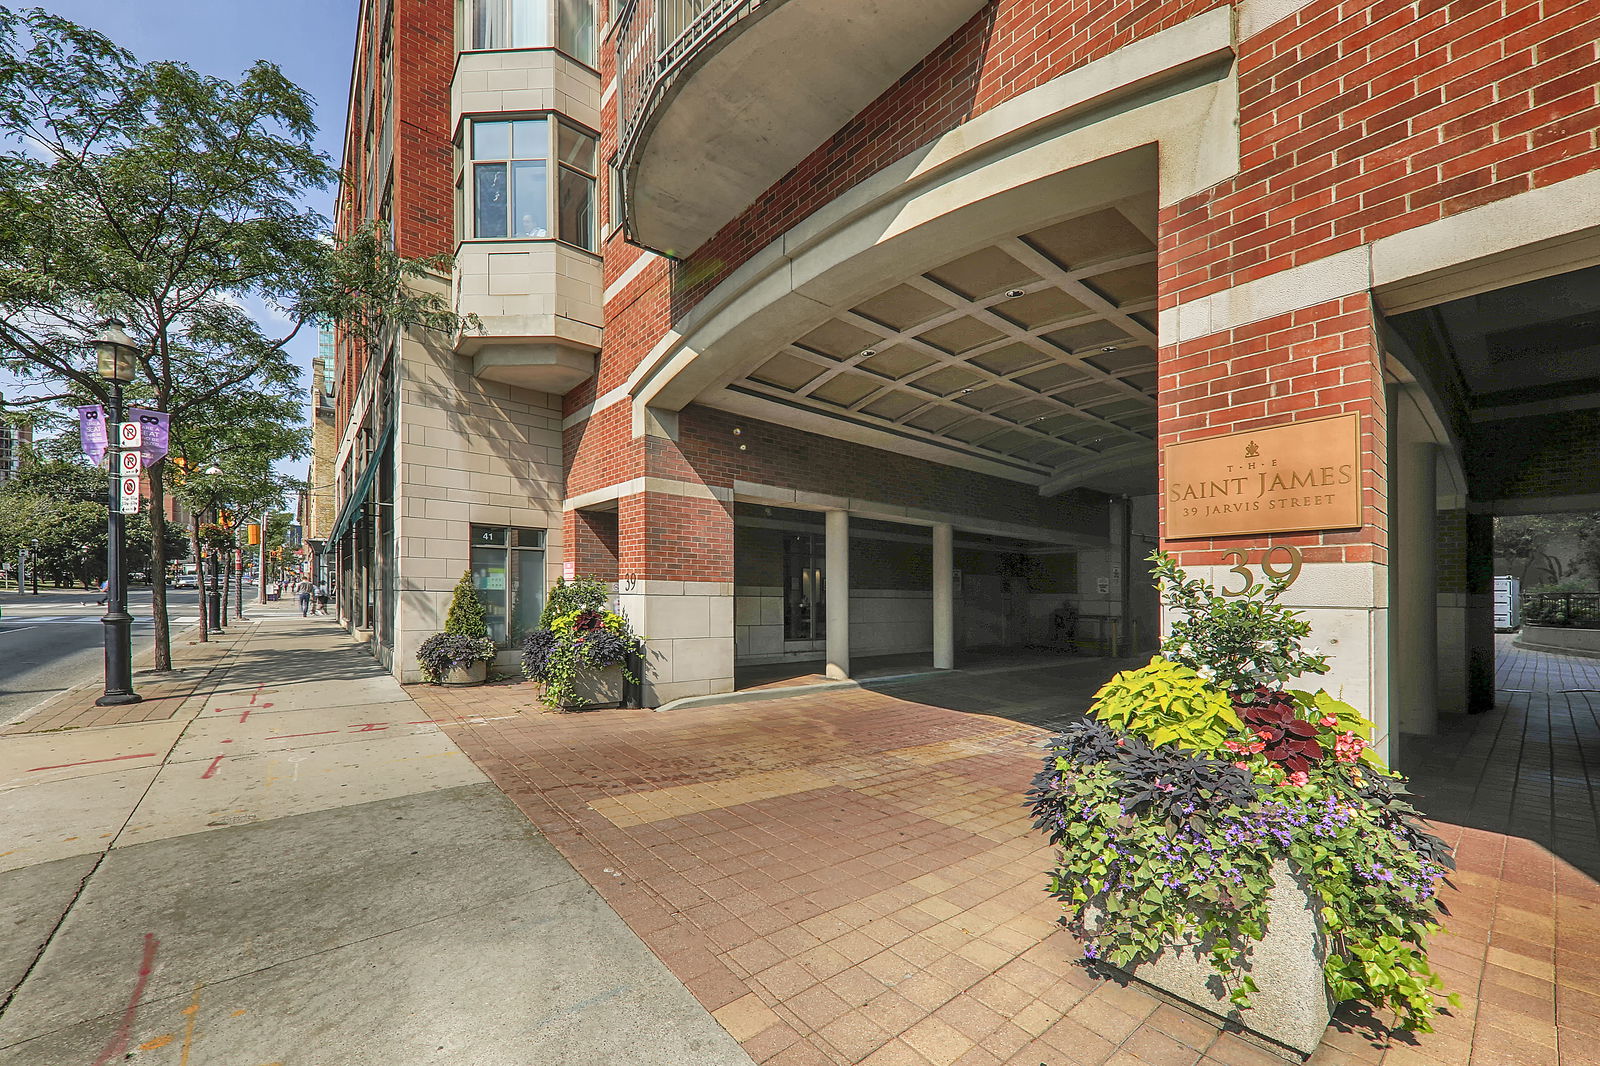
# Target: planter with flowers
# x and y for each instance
(1235, 842)
(461, 654)
(581, 651)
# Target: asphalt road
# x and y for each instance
(55, 640)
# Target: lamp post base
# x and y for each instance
(119, 659)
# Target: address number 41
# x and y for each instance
(1284, 576)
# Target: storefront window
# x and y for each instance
(508, 572)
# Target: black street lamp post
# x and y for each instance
(116, 353)
(212, 594)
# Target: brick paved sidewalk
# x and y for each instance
(852, 879)
(164, 695)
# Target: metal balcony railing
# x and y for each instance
(655, 38)
(1579, 610)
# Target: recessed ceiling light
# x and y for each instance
(1109, 348)
(965, 391)
(1012, 294)
(868, 353)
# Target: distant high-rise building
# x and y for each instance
(14, 441)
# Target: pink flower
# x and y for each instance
(1328, 720)
(1348, 747)
(1242, 765)
(1299, 777)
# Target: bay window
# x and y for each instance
(519, 192)
(564, 24)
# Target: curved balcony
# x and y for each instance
(718, 99)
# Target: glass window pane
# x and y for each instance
(530, 139)
(489, 578)
(575, 29)
(577, 149)
(488, 23)
(489, 200)
(488, 536)
(577, 208)
(530, 24)
(527, 592)
(491, 140)
(527, 538)
(529, 202)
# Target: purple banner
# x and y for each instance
(92, 432)
(155, 425)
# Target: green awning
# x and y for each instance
(358, 496)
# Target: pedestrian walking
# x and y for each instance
(105, 591)
(321, 593)
(303, 592)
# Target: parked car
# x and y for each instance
(184, 581)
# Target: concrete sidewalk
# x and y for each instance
(298, 867)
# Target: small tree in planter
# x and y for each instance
(460, 655)
(580, 650)
(1206, 803)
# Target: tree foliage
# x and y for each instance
(59, 509)
(173, 201)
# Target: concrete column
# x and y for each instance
(944, 601)
(1416, 632)
(1480, 612)
(836, 583)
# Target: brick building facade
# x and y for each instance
(959, 275)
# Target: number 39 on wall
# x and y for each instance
(1285, 576)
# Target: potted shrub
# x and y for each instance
(1235, 842)
(581, 650)
(460, 655)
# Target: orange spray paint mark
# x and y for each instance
(193, 1011)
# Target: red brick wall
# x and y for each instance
(591, 543)
(674, 538)
(1311, 363)
(1360, 119)
(1366, 118)
(421, 164)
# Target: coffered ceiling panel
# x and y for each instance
(1037, 351)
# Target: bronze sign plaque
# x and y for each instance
(1286, 479)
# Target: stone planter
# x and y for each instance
(1563, 640)
(466, 675)
(596, 689)
(1292, 1008)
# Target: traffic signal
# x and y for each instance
(253, 534)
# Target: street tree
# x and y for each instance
(57, 511)
(172, 200)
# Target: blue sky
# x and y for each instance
(311, 40)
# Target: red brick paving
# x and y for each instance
(852, 879)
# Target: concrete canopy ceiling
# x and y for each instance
(1037, 352)
(1533, 341)
(705, 146)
